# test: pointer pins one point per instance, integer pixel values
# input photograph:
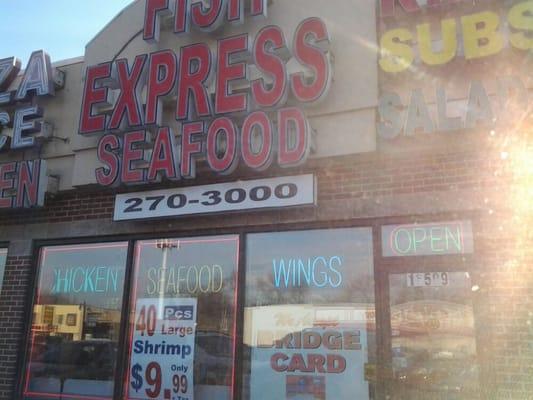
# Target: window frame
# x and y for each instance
(373, 227)
(4, 245)
(125, 342)
(386, 266)
(381, 266)
(38, 245)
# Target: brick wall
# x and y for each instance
(390, 175)
(361, 176)
(65, 207)
(505, 268)
(506, 264)
(17, 278)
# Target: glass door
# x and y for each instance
(433, 352)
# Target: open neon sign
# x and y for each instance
(427, 239)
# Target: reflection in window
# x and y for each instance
(71, 319)
(309, 329)
(76, 322)
(3, 259)
(434, 351)
(182, 317)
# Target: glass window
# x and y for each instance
(76, 322)
(309, 328)
(3, 259)
(182, 329)
(433, 336)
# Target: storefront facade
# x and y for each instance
(256, 199)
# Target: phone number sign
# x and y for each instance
(162, 355)
(269, 193)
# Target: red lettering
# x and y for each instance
(236, 9)
(286, 341)
(333, 340)
(162, 162)
(388, 6)
(181, 21)
(352, 340)
(190, 148)
(152, 17)
(258, 7)
(194, 81)
(132, 153)
(268, 40)
(316, 363)
(259, 124)
(437, 3)
(28, 183)
(227, 163)
(311, 340)
(276, 362)
(208, 18)
(130, 91)
(90, 123)
(225, 102)
(308, 34)
(7, 184)
(298, 364)
(160, 83)
(108, 146)
(293, 143)
(336, 364)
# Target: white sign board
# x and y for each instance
(269, 193)
(162, 353)
(428, 279)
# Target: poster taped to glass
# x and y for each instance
(162, 354)
(306, 358)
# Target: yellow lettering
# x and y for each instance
(521, 18)
(481, 35)
(396, 55)
(449, 43)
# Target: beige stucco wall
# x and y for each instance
(344, 123)
(62, 111)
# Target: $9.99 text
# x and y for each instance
(213, 198)
(153, 377)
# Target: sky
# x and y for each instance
(60, 27)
